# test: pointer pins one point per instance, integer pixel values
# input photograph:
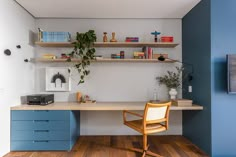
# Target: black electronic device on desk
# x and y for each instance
(40, 99)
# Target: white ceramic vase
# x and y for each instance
(173, 93)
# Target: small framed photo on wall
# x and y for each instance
(58, 79)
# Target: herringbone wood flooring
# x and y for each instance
(117, 146)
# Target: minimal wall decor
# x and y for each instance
(7, 52)
(58, 79)
(18, 46)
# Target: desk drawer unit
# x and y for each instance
(43, 130)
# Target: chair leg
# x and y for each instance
(145, 142)
(145, 150)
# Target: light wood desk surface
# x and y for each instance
(99, 106)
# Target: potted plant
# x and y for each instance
(172, 80)
(84, 51)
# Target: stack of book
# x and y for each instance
(122, 54)
(54, 36)
(182, 102)
(115, 56)
(139, 55)
(148, 51)
(49, 56)
(131, 39)
(167, 39)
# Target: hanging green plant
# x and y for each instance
(84, 51)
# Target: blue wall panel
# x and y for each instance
(223, 33)
(197, 51)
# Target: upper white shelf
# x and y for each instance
(104, 60)
(112, 44)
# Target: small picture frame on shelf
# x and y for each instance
(58, 79)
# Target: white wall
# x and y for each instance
(17, 77)
(114, 81)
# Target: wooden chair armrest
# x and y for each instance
(132, 113)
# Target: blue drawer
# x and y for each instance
(40, 125)
(39, 145)
(40, 115)
(40, 135)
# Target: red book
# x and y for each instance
(150, 53)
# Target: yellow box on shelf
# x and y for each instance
(49, 56)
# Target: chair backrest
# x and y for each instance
(157, 113)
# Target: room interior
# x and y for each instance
(203, 32)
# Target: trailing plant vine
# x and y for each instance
(84, 51)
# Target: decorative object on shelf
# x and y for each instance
(172, 80)
(167, 39)
(65, 56)
(83, 50)
(18, 46)
(87, 100)
(58, 79)
(7, 52)
(113, 39)
(105, 37)
(154, 95)
(173, 93)
(78, 96)
(189, 75)
(155, 35)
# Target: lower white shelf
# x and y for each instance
(104, 60)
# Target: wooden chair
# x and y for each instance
(155, 119)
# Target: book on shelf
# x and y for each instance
(45, 36)
(132, 39)
(148, 51)
(182, 102)
(115, 56)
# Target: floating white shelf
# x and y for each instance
(105, 60)
(112, 44)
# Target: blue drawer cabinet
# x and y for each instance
(43, 129)
(39, 125)
(39, 145)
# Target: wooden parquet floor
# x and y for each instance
(117, 146)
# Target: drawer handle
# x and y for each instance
(41, 110)
(40, 141)
(41, 130)
(35, 121)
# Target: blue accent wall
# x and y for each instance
(196, 28)
(223, 41)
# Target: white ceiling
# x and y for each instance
(108, 8)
